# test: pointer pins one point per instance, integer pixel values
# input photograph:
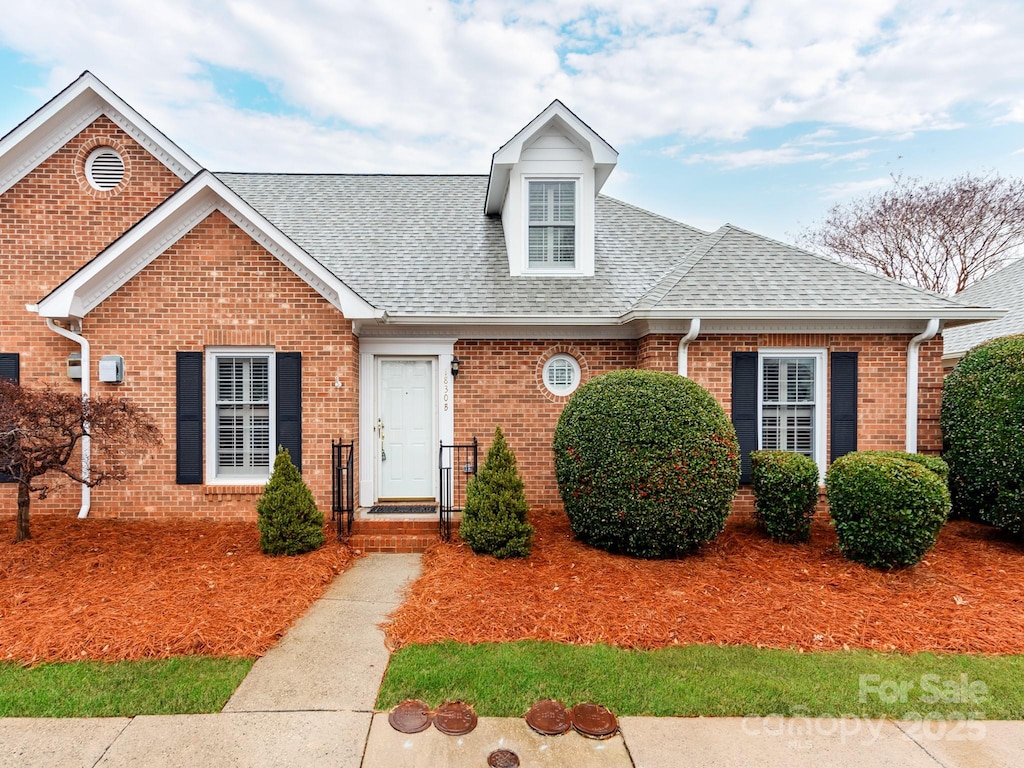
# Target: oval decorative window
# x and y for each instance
(561, 374)
(104, 168)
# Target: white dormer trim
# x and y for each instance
(557, 114)
(554, 146)
(66, 115)
(168, 223)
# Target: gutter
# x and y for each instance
(684, 343)
(912, 380)
(79, 339)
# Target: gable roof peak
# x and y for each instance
(555, 114)
(68, 113)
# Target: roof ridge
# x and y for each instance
(671, 279)
(844, 265)
(353, 175)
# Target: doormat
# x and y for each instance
(402, 509)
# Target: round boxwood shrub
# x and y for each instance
(887, 510)
(785, 493)
(934, 463)
(983, 433)
(647, 463)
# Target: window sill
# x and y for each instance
(233, 490)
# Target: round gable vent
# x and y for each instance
(104, 168)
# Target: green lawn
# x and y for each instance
(183, 685)
(505, 679)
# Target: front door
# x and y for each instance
(405, 428)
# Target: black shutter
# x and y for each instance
(10, 367)
(744, 407)
(289, 404)
(189, 411)
(843, 404)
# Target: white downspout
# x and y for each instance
(83, 342)
(912, 376)
(685, 342)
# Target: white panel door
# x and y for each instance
(405, 429)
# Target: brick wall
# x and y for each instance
(500, 384)
(217, 287)
(51, 223)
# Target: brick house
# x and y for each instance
(250, 310)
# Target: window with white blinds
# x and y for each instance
(243, 408)
(552, 223)
(789, 395)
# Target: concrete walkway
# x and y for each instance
(309, 702)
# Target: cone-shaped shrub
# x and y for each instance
(494, 518)
(289, 521)
(983, 433)
(647, 463)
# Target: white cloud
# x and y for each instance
(433, 85)
(855, 188)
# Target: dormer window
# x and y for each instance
(552, 224)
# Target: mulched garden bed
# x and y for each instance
(115, 589)
(965, 597)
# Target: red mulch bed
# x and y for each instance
(965, 597)
(115, 589)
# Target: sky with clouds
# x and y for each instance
(762, 113)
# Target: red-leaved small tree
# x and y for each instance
(41, 431)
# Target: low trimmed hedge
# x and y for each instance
(785, 494)
(887, 509)
(647, 463)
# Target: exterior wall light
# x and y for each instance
(455, 367)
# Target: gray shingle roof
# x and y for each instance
(1003, 290)
(737, 269)
(422, 246)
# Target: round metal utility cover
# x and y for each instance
(594, 721)
(456, 718)
(549, 717)
(411, 716)
(503, 758)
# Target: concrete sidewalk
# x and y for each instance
(309, 702)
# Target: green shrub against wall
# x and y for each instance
(785, 493)
(287, 516)
(887, 510)
(983, 433)
(647, 463)
(934, 463)
(494, 517)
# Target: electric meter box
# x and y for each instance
(112, 369)
(75, 365)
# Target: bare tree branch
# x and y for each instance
(940, 235)
(41, 432)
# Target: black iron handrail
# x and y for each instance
(343, 504)
(456, 464)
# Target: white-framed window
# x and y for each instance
(792, 402)
(561, 374)
(551, 223)
(240, 398)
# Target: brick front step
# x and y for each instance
(384, 535)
